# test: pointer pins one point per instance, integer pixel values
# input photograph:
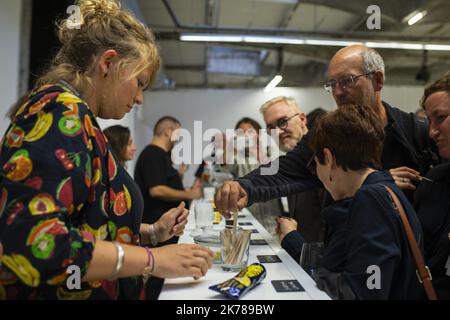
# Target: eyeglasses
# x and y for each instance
(344, 83)
(281, 123)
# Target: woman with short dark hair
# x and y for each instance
(364, 229)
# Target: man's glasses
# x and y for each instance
(281, 123)
(344, 83)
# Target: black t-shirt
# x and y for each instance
(154, 168)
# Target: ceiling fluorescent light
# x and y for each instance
(236, 38)
(211, 38)
(417, 17)
(272, 84)
(437, 47)
(395, 45)
(274, 40)
(334, 43)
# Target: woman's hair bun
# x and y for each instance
(94, 27)
(90, 12)
(98, 8)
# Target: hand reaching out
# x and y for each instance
(285, 225)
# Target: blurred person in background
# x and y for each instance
(121, 143)
(249, 129)
(160, 183)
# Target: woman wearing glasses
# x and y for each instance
(364, 230)
(432, 197)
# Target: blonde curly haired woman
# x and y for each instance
(64, 201)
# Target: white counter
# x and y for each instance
(190, 289)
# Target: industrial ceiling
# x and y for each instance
(188, 64)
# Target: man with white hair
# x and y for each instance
(283, 114)
(356, 76)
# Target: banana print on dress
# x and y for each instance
(61, 191)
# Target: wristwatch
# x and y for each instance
(153, 238)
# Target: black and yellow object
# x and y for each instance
(217, 216)
(244, 281)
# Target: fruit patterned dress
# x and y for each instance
(60, 190)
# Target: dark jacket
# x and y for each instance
(306, 208)
(432, 203)
(366, 231)
(406, 144)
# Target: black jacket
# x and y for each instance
(366, 231)
(432, 203)
(406, 144)
(306, 208)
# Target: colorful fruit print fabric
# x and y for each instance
(60, 190)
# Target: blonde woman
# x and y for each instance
(64, 200)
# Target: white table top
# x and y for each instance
(190, 289)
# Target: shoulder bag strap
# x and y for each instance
(422, 271)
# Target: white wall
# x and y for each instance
(10, 20)
(221, 109)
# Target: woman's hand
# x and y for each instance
(172, 223)
(284, 226)
(403, 177)
(182, 260)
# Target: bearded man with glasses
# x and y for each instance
(284, 115)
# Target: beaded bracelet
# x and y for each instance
(150, 259)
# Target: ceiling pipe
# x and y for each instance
(293, 32)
